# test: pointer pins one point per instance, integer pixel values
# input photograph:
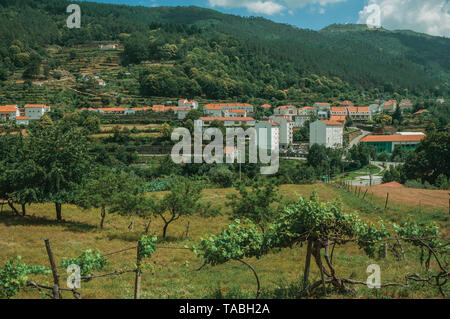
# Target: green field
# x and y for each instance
(169, 277)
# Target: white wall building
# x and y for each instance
(327, 133)
(268, 135)
(36, 111)
(186, 103)
(9, 112)
(286, 130)
(22, 120)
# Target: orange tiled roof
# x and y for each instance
(333, 123)
(27, 106)
(393, 138)
(227, 118)
(22, 118)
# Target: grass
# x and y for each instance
(279, 272)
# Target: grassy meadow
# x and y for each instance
(172, 274)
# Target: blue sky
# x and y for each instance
(427, 16)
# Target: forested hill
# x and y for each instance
(222, 55)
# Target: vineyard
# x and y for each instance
(211, 257)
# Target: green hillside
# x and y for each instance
(224, 56)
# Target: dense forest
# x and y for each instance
(224, 56)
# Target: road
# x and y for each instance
(358, 139)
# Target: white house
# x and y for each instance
(22, 120)
(109, 46)
(101, 82)
(359, 113)
(36, 111)
(9, 112)
(440, 100)
(374, 109)
(286, 130)
(186, 103)
(214, 110)
(308, 110)
(268, 135)
(286, 110)
(327, 133)
(182, 112)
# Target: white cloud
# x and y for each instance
(269, 7)
(431, 16)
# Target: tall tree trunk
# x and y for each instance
(24, 210)
(131, 226)
(307, 263)
(165, 230)
(58, 212)
(15, 211)
(103, 214)
(147, 228)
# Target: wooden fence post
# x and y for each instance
(137, 282)
(56, 291)
(365, 193)
(387, 201)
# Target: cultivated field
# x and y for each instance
(170, 277)
(413, 196)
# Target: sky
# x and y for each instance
(426, 16)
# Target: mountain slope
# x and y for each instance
(365, 58)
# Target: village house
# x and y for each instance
(389, 106)
(101, 82)
(323, 115)
(9, 112)
(182, 112)
(35, 111)
(308, 110)
(359, 113)
(387, 143)
(266, 106)
(214, 110)
(327, 133)
(268, 135)
(286, 110)
(338, 111)
(113, 46)
(235, 113)
(347, 103)
(440, 100)
(374, 109)
(406, 105)
(420, 112)
(22, 120)
(322, 106)
(186, 103)
(338, 118)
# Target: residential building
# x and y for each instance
(109, 46)
(101, 82)
(22, 120)
(327, 133)
(374, 109)
(440, 100)
(346, 103)
(338, 118)
(405, 105)
(238, 106)
(268, 135)
(323, 115)
(338, 111)
(322, 106)
(186, 103)
(286, 130)
(308, 110)
(266, 106)
(9, 112)
(214, 110)
(182, 112)
(359, 113)
(286, 110)
(36, 111)
(389, 106)
(235, 113)
(387, 143)
(420, 112)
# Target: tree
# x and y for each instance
(430, 159)
(131, 202)
(256, 204)
(61, 154)
(166, 130)
(182, 200)
(100, 189)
